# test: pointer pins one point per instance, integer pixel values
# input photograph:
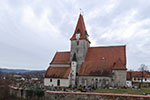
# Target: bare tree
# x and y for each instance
(142, 69)
(0, 74)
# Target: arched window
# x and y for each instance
(96, 80)
(82, 81)
(58, 82)
(92, 81)
(100, 80)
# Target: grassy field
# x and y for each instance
(125, 91)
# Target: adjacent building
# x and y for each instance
(138, 77)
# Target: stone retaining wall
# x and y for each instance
(61, 95)
(55, 95)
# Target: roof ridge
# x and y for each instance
(63, 52)
(108, 46)
(61, 58)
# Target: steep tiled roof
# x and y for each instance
(61, 58)
(58, 72)
(119, 65)
(80, 27)
(95, 69)
(100, 61)
(137, 74)
(109, 53)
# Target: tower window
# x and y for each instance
(78, 31)
(78, 34)
(87, 36)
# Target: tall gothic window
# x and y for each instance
(77, 42)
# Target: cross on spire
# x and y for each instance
(81, 12)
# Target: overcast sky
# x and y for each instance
(32, 31)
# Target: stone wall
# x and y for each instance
(94, 81)
(55, 95)
(60, 95)
(25, 94)
(119, 78)
(17, 92)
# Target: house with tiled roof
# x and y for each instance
(137, 77)
(87, 66)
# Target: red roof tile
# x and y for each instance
(61, 58)
(95, 69)
(110, 54)
(58, 72)
(100, 60)
(137, 74)
(81, 27)
(119, 65)
(3, 82)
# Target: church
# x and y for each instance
(86, 66)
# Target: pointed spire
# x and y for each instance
(80, 27)
(74, 57)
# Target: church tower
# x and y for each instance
(79, 43)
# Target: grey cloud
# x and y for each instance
(25, 44)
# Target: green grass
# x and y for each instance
(143, 84)
(125, 91)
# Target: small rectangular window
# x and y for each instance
(50, 80)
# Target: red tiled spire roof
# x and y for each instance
(80, 26)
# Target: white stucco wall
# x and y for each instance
(63, 82)
(129, 83)
(136, 79)
(73, 73)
